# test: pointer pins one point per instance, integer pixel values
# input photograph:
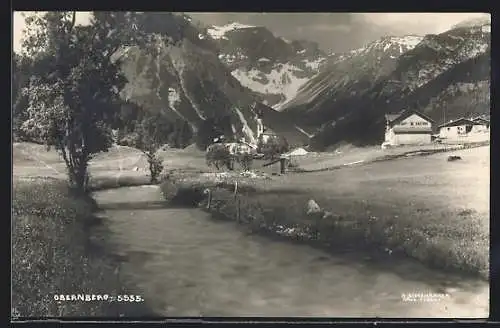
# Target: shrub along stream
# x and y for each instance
(455, 248)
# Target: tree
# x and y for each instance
(207, 131)
(72, 97)
(20, 79)
(185, 134)
(274, 147)
(150, 136)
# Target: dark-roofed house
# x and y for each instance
(481, 124)
(408, 127)
(462, 128)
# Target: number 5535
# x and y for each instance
(129, 298)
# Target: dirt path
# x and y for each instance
(185, 264)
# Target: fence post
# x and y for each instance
(235, 188)
(209, 199)
(282, 165)
(238, 210)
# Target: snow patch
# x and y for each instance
(281, 80)
(304, 132)
(174, 99)
(246, 128)
(179, 67)
(231, 58)
(469, 49)
(218, 32)
(402, 43)
(314, 64)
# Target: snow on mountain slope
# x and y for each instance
(284, 80)
(446, 49)
(272, 67)
(443, 75)
(219, 32)
(349, 74)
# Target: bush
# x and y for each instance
(427, 239)
(155, 166)
(182, 194)
(219, 156)
(128, 140)
(49, 254)
(274, 147)
(245, 160)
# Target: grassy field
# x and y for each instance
(51, 255)
(425, 207)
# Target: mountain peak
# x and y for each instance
(474, 22)
(218, 32)
(272, 67)
(402, 43)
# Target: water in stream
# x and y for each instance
(186, 264)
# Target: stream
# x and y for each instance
(184, 263)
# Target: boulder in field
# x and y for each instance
(454, 158)
(312, 207)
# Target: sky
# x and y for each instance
(335, 32)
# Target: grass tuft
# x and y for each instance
(50, 255)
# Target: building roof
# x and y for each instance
(396, 118)
(457, 122)
(391, 117)
(481, 120)
(268, 131)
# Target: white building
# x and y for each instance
(481, 125)
(408, 127)
(464, 129)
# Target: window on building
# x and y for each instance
(468, 128)
(448, 129)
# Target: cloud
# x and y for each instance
(420, 23)
(342, 31)
(333, 31)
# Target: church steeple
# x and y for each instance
(260, 126)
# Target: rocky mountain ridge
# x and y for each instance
(442, 75)
(272, 67)
(186, 81)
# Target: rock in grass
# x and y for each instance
(454, 158)
(312, 207)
